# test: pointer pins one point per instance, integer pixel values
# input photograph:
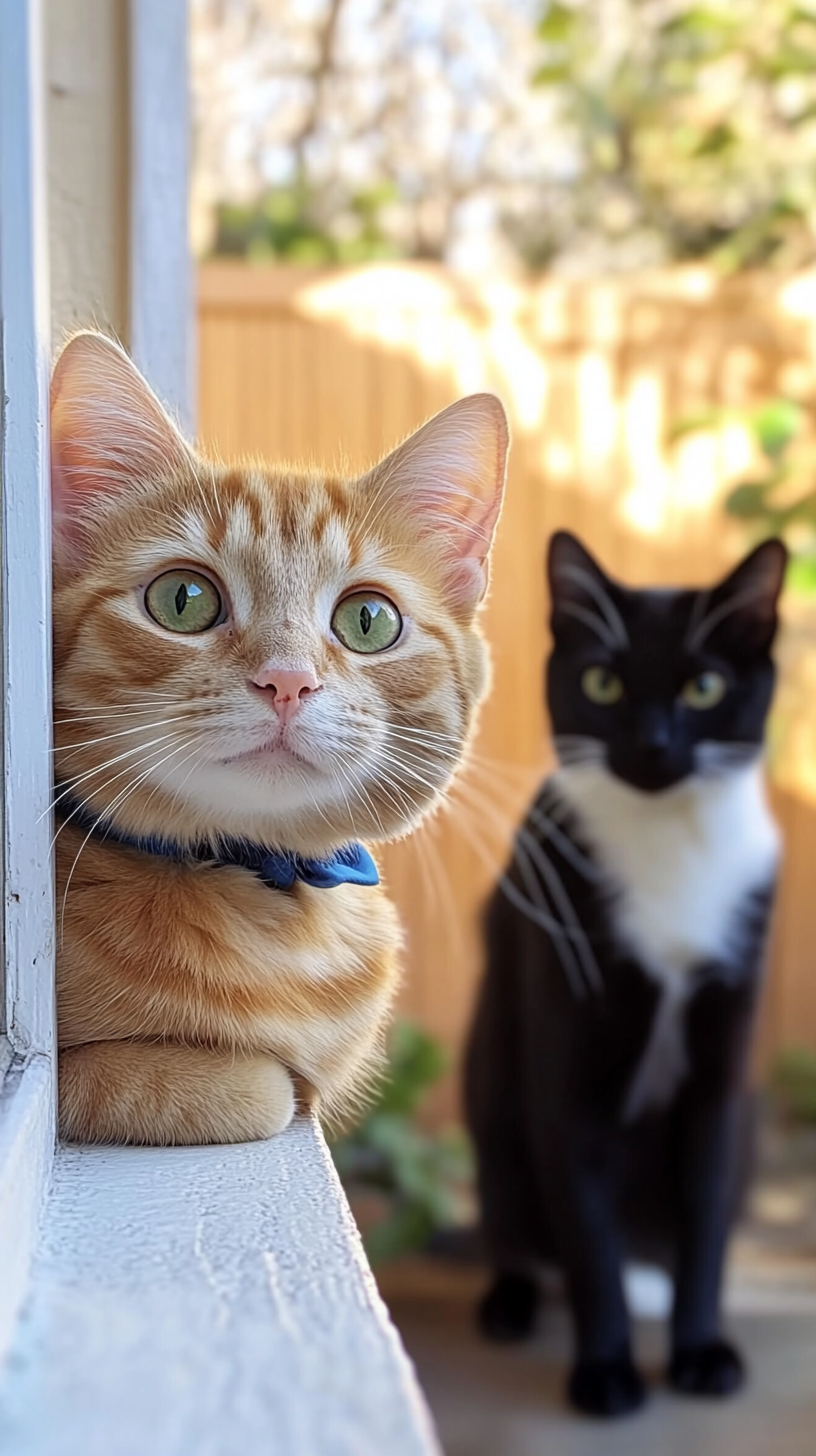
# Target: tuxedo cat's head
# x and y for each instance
(656, 685)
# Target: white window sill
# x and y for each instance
(26, 1150)
(206, 1302)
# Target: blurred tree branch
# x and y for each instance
(406, 110)
(691, 127)
(585, 134)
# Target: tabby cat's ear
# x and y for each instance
(580, 592)
(108, 430)
(448, 478)
(741, 611)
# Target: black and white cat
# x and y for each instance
(605, 1071)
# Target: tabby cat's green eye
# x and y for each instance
(601, 686)
(183, 601)
(705, 690)
(366, 622)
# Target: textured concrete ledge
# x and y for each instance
(206, 1302)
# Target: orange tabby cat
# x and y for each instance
(274, 659)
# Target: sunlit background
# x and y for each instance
(605, 211)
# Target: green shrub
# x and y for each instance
(793, 1084)
(421, 1177)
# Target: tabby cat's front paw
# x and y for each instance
(606, 1388)
(507, 1312)
(713, 1369)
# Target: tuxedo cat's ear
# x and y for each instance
(448, 478)
(108, 430)
(742, 609)
(580, 591)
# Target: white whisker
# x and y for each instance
(613, 625)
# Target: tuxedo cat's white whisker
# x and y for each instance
(540, 899)
(696, 636)
(570, 738)
(545, 823)
(562, 903)
(579, 747)
(713, 759)
(602, 599)
(594, 622)
(547, 922)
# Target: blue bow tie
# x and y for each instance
(277, 868)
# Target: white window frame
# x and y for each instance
(27, 1098)
(162, 306)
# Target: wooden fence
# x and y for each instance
(305, 364)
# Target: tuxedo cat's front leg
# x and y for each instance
(158, 1093)
(573, 1162)
(703, 1362)
(710, 1115)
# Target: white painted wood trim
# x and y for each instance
(207, 1302)
(24, 362)
(27, 1093)
(161, 272)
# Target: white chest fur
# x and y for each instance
(678, 866)
(679, 863)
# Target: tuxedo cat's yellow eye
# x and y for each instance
(602, 686)
(705, 690)
(366, 622)
(183, 601)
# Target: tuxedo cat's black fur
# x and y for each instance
(605, 1071)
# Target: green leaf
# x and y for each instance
(793, 1080)
(558, 23)
(775, 425)
(416, 1061)
(692, 424)
(407, 1227)
(553, 74)
(801, 575)
(748, 500)
(700, 19)
(716, 141)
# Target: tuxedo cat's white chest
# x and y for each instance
(679, 864)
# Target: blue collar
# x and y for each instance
(277, 868)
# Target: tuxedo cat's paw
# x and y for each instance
(508, 1310)
(714, 1368)
(606, 1387)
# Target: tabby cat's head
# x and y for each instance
(278, 653)
(659, 685)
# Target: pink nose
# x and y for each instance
(289, 688)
